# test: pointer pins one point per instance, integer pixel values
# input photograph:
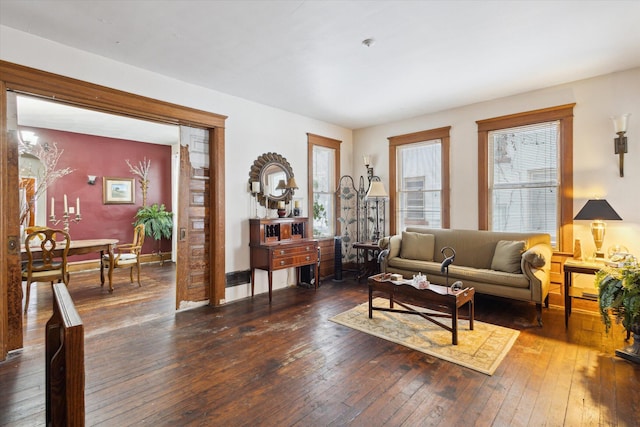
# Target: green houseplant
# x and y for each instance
(619, 295)
(158, 222)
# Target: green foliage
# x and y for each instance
(319, 211)
(619, 293)
(157, 221)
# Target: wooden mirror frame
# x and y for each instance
(258, 172)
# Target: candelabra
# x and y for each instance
(66, 218)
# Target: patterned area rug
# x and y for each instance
(481, 349)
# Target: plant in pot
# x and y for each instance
(158, 223)
(619, 295)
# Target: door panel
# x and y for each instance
(193, 270)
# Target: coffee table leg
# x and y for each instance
(471, 313)
(370, 302)
(454, 325)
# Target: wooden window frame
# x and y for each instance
(322, 141)
(443, 134)
(564, 115)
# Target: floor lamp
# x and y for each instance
(376, 192)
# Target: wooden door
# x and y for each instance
(192, 270)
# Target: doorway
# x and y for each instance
(75, 92)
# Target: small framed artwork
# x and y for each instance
(118, 191)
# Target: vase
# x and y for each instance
(282, 213)
(632, 352)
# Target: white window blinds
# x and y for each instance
(524, 179)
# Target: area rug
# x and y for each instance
(481, 349)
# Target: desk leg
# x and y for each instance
(253, 280)
(567, 298)
(370, 302)
(270, 285)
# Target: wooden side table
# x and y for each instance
(370, 263)
(583, 267)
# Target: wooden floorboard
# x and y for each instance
(252, 363)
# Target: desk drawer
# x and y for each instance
(295, 250)
(294, 260)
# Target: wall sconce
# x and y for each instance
(91, 179)
(367, 161)
(597, 211)
(620, 143)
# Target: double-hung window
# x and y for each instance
(419, 179)
(324, 161)
(525, 174)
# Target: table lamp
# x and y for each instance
(376, 192)
(598, 211)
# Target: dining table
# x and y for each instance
(85, 246)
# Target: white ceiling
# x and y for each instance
(307, 57)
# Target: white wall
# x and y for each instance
(251, 130)
(595, 164)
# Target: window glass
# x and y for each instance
(323, 191)
(419, 179)
(524, 179)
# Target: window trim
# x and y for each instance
(561, 113)
(443, 134)
(323, 141)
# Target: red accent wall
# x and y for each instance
(105, 157)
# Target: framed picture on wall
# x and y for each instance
(118, 191)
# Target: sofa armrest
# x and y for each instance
(536, 265)
(390, 248)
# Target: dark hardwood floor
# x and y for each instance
(250, 363)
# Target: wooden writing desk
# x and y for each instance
(81, 247)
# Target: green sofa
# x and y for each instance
(509, 265)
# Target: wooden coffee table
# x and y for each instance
(443, 301)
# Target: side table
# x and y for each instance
(370, 263)
(583, 267)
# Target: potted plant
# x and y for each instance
(619, 295)
(158, 223)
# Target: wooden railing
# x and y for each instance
(64, 362)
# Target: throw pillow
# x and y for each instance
(507, 256)
(417, 246)
(534, 258)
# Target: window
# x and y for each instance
(324, 160)
(524, 179)
(525, 173)
(419, 181)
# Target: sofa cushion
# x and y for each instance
(535, 258)
(418, 246)
(507, 256)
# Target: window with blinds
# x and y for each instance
(524, 179)
(419, 180)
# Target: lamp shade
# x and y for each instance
(620, 123)
(376, 191)
(281, 185)
(292, 183)
(597, 209)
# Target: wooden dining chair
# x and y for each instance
(128, 255)
(47, 250)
